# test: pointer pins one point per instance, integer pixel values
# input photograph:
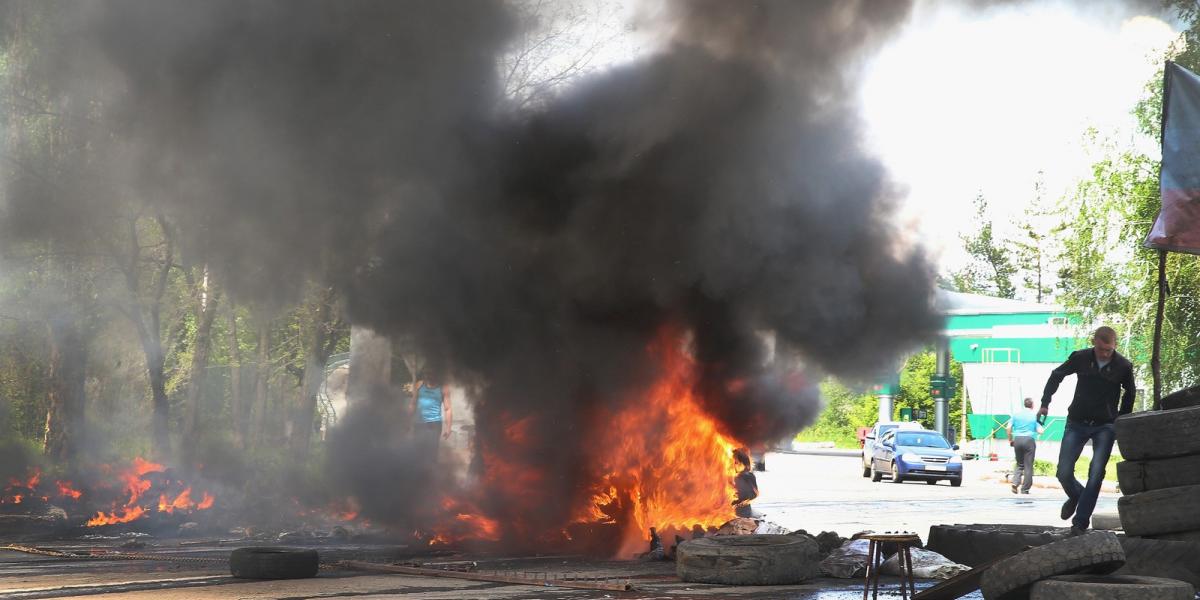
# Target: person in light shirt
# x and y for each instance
(1023, 430)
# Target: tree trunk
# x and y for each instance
(64, 417)
(261, 375)
(236, 400)
(316, 354)
(160, 406)
(206, 311)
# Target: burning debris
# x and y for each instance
(655, 266)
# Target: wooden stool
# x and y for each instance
(905, 541)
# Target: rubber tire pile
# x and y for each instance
(1160, 475)
(1076, 568)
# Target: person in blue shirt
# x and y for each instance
(430, 408)
(1023, 430)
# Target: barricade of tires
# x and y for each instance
(1160, 476)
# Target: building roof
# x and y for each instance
(958, 303)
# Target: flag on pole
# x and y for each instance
(1177, 227)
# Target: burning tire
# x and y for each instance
(1171, 510)
(748, 560)
(1095, 552)
(273, 563)
(1111, 587)
(1159, 433)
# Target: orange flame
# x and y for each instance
(135, 485)
(660, 461)
(66, 490)
(664, 461)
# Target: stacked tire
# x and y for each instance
(1160, 483)
(1160, 476)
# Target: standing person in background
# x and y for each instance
(745, 484)
(430, 408)
(1023, 430)
(1103, 375)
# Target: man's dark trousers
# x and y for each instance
(1026, 450)
(1075, 436)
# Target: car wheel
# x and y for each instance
(866, 471)
(896, 477)
(931, 481)
(956, 482)
(876, 476)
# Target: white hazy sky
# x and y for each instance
(963, 103)
(966, 102)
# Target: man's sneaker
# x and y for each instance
(1014, 488)
(1024, 491)
(1077, 531)
(1068, 508)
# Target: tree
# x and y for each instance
(1034, 256)
(990, 271)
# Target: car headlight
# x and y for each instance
(909, 457)
(955, 460)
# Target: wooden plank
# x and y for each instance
(958, 586)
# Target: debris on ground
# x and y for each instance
(847, 561)
(926, 564)
(827, 541)
(749, 526)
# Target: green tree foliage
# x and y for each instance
(991, 270)
(848, 408)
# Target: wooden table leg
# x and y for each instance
(912, 585)
(867, 579)
(876, 564)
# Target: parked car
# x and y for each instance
(921, 454)
(877, 432)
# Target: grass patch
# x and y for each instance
(1050, 468)
(840, 438)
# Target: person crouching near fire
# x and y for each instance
(745, 484)
(1102, 375)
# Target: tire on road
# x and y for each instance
(748, 560)
(273, 563)
(1094, 552)
(1159, 433)
(876, 476)
(1137, 476)
(1181, 398)
(896, 476)
(1111, 587)
(974, 545)
(1170, 510)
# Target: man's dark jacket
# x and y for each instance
(1098, 390)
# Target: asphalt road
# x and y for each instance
(828, 493)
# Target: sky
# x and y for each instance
(962, 104)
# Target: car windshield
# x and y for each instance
(921, 439)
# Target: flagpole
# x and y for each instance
(1163, 290)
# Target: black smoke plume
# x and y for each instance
(716, 188)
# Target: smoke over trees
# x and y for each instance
(302, 165)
